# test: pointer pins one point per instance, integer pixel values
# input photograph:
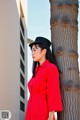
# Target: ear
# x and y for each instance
(44, 51)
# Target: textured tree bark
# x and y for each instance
(64, 36)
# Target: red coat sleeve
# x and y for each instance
(53, 89)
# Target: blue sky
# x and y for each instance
(39, 20)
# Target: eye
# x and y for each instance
(33, 50)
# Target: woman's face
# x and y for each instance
(37, 53)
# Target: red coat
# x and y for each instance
(44, 92)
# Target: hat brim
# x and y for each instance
(31, 44)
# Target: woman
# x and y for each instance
(44, 88)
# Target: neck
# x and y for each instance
(42, 61)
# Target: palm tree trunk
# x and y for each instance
(64, 36)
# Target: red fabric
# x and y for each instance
(44, 92)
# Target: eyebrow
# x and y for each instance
(36, 46)
(33, 48)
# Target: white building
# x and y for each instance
(13, 57)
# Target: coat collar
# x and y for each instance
(44, 63)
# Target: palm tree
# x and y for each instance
(64, 36)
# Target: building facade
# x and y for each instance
(13, 57)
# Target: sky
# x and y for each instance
(38, 18)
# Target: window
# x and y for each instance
(22, 106)
(22, 79)
(22, 66)
(22, 93)
(21, 38)
(21, 24)
(22, 52)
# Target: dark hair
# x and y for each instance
(49, 56)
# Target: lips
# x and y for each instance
(33, 57)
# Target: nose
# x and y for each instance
(32, 54)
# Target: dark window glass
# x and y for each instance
(22, 93)
(22, 106)
(22, 40)
(22, 66)
(22, 52)
(22, 79)
(22, 27)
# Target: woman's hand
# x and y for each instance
(51, 116)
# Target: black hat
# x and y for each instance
(41, 40)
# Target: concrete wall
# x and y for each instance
(10, 57)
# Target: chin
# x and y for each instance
(35, 60)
